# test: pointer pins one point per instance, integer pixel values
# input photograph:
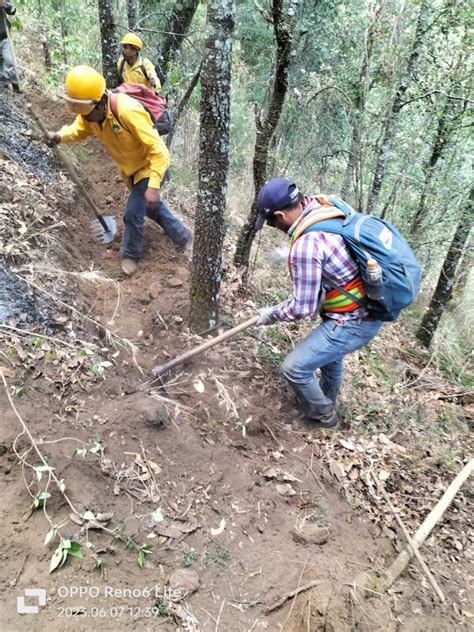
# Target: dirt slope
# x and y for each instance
(214, 452)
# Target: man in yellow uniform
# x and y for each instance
(136, 147)
(133, 68)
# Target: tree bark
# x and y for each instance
(177, 27)
(108, 42)
(397, 103)
(132, 14)
(447, 278)
(283, 26)
(213, 165)
(439, 144)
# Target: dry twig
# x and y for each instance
(293, 593)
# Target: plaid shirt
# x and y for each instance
(316, 255)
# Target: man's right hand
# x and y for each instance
(264, 316)
(52, 139)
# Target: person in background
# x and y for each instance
(8, 77)
(316, 257)
(135, 145)
(133, 68)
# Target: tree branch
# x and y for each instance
(428, 94)
(316, 94)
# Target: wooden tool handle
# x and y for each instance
(12, 49)
(69, 166)
(162, 368)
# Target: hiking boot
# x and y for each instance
(129, 266)
(329, 420)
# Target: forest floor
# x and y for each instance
(221, 506)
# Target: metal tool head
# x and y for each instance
(99, 232)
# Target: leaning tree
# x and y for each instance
(283, 22)
(449, 274)
(213, 165)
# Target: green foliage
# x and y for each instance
(217, 554)
(145, 549)
(189, 557)
(66, 548)
(40, 499)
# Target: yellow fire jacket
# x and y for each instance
(135, 74)
(133, 142)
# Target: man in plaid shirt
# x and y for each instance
(317, 260)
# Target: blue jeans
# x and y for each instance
(324, 348)
(7, 67)
(134, 221)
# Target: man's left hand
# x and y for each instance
(152, 198)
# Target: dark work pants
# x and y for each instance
(134, 221)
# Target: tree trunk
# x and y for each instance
(213, 165)
(283, 26)
(46, 52)
(132, 14)
(453, 109)
(64, 32)
(439, 144)
(446, 281)
(396, 105)
(354, 163)
(108, 41)
(182, 105)
(177, 27)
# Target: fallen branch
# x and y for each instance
(435, 515)
(291, 594)
(414, 548)
(366, 581)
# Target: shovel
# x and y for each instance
(104, 227)
(162, 368)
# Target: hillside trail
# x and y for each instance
(213, 450)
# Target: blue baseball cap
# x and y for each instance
(275, 194)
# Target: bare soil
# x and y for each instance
(214, 449)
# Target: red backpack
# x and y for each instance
(154, 104)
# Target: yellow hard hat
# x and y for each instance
(84, 89)
(133, 40)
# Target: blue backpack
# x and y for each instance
(368, 237)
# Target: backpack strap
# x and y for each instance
(341, 290)
(122, 66)
(319, 214)
(142, 68)
(114, 108)
(324, 212)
